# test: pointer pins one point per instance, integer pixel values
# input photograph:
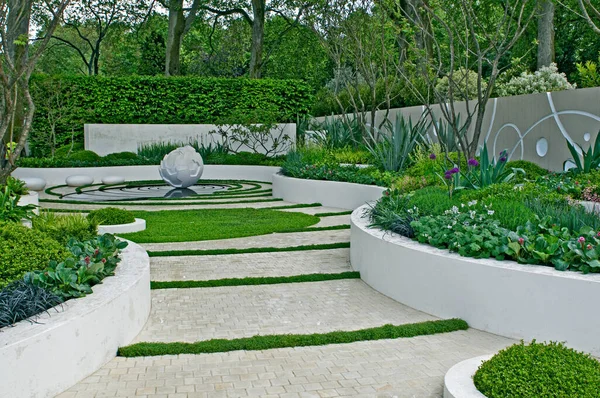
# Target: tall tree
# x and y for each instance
(181, 19)
(87, 23)
(591, 13)
(545, 33)
(15, 76)
(254, 13)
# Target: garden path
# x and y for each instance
(409, 367)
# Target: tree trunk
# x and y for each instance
(545, 32)
(258, 37)
(174, 38)
(18, 27)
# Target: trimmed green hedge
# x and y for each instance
(539, 370)
(160, 100)
(111, 216)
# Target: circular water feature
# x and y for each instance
(151, 191)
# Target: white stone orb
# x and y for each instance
(182, 167)
(110, 180)
(34, 183)
(79, 180)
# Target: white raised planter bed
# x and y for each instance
(44, 359)
(343, 195)
(458, 382)
(138, 225)
(57, 176)
(501, 297)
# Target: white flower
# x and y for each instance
(454, 210)
(472, 213)
(472, 203)
(490, 212)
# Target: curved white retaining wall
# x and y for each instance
(501, 297)
(138, 225)
(44, 359)
(344, 195)
(458, 382)
(57, 176)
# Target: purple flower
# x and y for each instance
(454, 170)
(432, 156)
(448, 176)
(473, 162)
(503, 159)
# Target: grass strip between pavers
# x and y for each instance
(251, 281)
(138, 202)
(294, 340)
(216, 252)
(341, 213)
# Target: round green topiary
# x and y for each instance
(68, 149)
(23, 250)
(111, 216)
(85, 156)
(539, 370)
(532, 170)
(121, 156)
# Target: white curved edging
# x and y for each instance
(458, 382)
(343, 195)
(44, 359)
(138, 225)
(57, 176)
(501, 297)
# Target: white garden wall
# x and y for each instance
(505, 298)
(48, 357)
(343, 195)
(110, 138)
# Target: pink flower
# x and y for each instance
(87, 259)
(521, 241)
(581, 239)
(590, 247)
(103, 260)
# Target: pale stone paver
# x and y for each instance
(399, 368)
(249, 265)
(332, 221)
(271, 240)
(243, 311)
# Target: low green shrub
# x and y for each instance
(111, 216)
(84, 156)
(121, 156)
(65, 150)
(23, 249)
(532, 170)
(432, 200)
(539, 370)
(393, 213)
(10, 194)
(63, 227)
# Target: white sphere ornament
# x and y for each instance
(182, 167)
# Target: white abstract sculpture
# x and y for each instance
(182, 167)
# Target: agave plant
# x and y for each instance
(487, 171)
(394, 145)
(588, 160)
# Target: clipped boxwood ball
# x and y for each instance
(539, 370)
(121, 156)
(23, 250)
(111, 216)
(85, 156)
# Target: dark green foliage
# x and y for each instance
(64, 227)
(393, 213)
(255, 281)
(10, 195)
(159, 100)
(539, 370)
(432, 201)
(216, 252)
(294, 340)
(84, 156)
(20, 300)
(342, 213)
(23, 249)
(120, 156)
(70, 162)
(532, 170)
(65, 150)
(563, 214)
(588, 160)
(209, 224)
(111, 216)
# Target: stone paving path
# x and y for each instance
(386, 368)
(178, 268)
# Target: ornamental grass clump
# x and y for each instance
(539, 370)
(111, 216)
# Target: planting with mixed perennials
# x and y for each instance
(59, 258)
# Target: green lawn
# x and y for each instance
(209, 224)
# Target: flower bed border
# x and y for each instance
(501, 297)
(62, 348)
(458, 381)
(138, 225)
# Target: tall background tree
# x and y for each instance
(15, 72)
